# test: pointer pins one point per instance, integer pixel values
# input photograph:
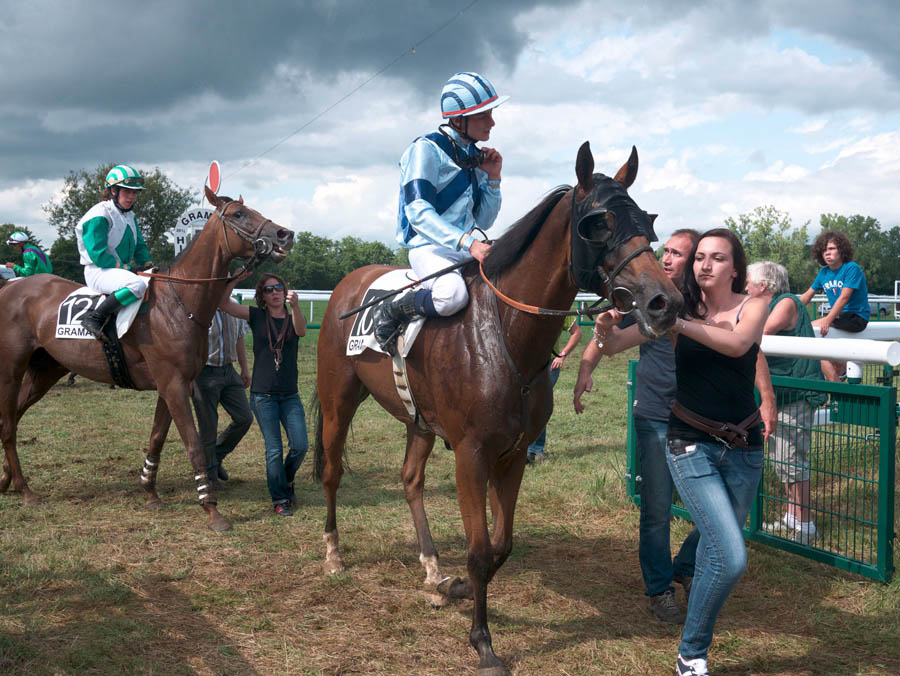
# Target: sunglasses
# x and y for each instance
(273, 287)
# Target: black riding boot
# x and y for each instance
(391, 318)
(95, 320)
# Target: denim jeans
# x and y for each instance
(537, 446)
(656, 488)
(718, 486)
(272, 412)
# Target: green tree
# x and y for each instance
(65, 258)
(768, 234)
(158, 206)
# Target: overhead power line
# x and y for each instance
(376, 74)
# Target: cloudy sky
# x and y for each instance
(308, 105)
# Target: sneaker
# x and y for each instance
(665, 608)
(223, 474)
(283, 508)
(685, 582)
(784, 526)
(695, 667)
(536, 458)
(804, 533)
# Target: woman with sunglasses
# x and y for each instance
(448, 187)
(274, 398)
(714, 439)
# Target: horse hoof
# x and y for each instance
(4, 482)
(219, 524)
(334, 565)
(30, 498)
(455, 588)
(496, 670)
(436, 600)
(153, 503)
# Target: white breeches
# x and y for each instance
(110, 280)
(448, 292)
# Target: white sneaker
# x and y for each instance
(805, 532)
(695, 667)
(784, 526)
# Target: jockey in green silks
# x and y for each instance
(34, 260)
(112, 247)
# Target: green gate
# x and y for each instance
(851, 443)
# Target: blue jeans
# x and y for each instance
(537, 446)
(656, 488)
(272, 411)
(718, 486)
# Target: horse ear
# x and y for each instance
(628, 172)
(241, 199)
(584, 169)
(211, 197)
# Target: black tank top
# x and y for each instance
(715, 386)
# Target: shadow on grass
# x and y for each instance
(146, 627)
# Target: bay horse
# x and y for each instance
(480, 377)
(165, 348)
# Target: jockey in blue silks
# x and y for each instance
(448, 187)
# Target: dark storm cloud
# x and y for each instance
(79, 78)
(111, 57)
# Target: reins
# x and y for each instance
(587, 312)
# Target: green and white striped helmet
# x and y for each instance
(125, 176)
(17, 238)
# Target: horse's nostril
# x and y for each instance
(283, 234)
(657, 303)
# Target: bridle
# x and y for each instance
(262, 248)
(602, 247)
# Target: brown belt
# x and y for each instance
(730, 434)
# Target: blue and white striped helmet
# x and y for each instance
(468, 94)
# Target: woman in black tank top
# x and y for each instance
(717, 363)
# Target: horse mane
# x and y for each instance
(510, 246)
(177, 258)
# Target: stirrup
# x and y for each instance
(97, 333)
(389, 345)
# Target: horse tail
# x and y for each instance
(318, 446)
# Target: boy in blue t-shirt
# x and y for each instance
(845, 287)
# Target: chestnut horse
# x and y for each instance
(480, 377)
(165, 348)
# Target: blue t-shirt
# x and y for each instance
(849, 275)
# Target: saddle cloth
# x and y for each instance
(81, 301)
(362, 334)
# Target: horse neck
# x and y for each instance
(207, 258)
(540, 277)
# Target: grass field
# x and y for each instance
(93, 583)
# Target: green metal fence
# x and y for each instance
(845, 486)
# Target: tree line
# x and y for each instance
(318, 262)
